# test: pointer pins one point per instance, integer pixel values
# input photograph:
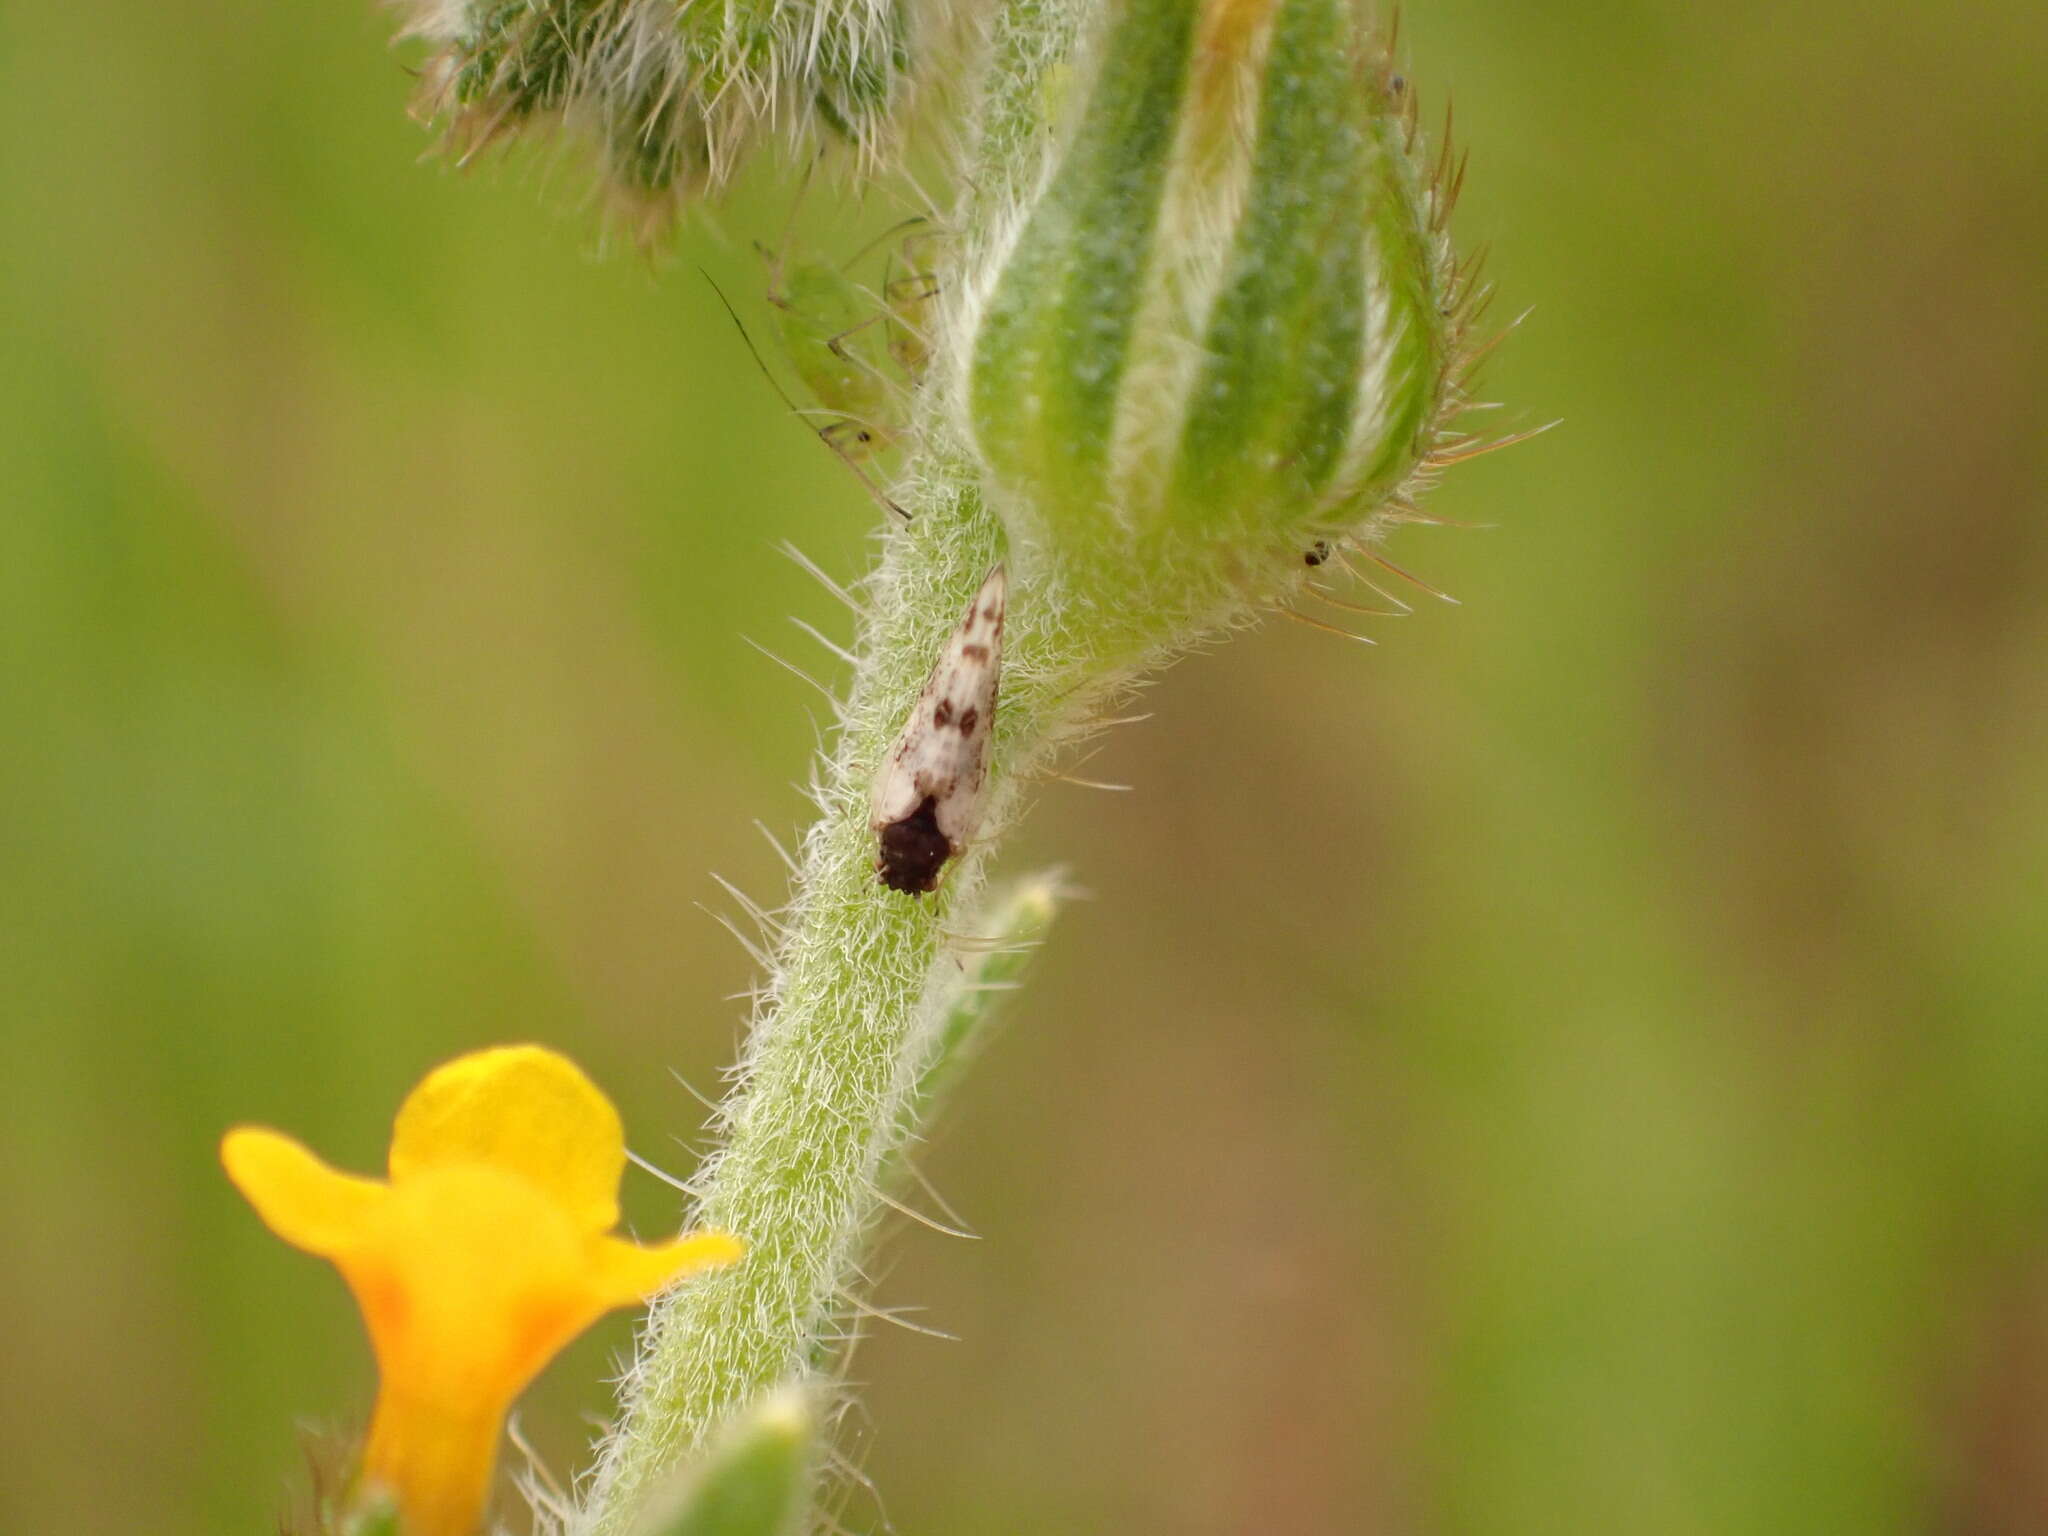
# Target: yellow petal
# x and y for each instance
(469, 1279)
(300, 1198)
(526, 1110)
(623, 1273)
(438, 1469)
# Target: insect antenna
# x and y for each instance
(887, 235)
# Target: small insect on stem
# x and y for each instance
(828, 327)
(838, 436)
(927, 799)
(849, 344)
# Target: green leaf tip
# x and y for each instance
(1011, 926)
(754, 1480)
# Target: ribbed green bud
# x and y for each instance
(673, 93)
(1220, 329)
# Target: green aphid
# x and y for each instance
(835, 333)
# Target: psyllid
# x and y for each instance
(927, 799)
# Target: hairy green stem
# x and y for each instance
(1029, 43)
(861, 984)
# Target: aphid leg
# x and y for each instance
(836, 344)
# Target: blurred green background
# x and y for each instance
(1579, 1067)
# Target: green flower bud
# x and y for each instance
(673, 93)
(1221, 327)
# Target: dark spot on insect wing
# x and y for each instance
(913, 850)
(969, 719)
(974, 652)
(943, 715)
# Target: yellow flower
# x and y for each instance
(484, 1254)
